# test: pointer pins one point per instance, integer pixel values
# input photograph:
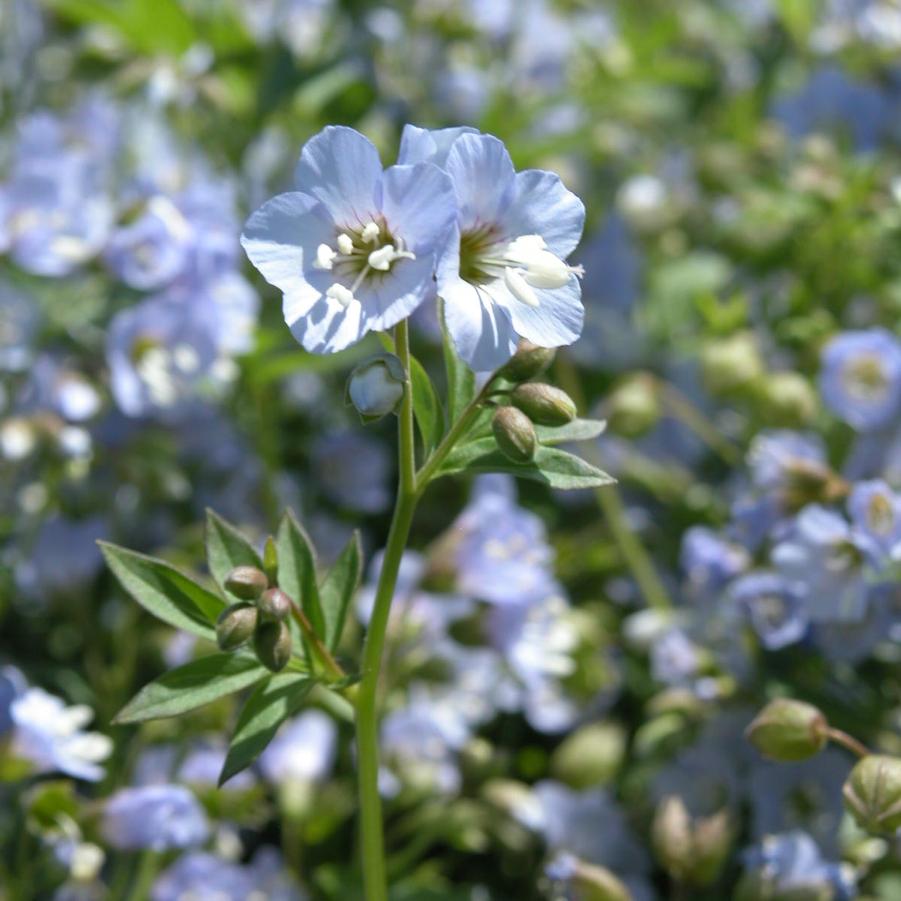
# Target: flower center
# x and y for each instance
(865, 378)
(358, 253)
(523, 264)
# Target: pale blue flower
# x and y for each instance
(709, 561)
(51, 736)
(875, 511)
(860, 378)
(775, 606)
(354, 247)
(504, 275)
(155, 817)
(303, 750)
(792, 863)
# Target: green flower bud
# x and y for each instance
(235, 626)
(515, 434)
(788, 399)
(593, 883)
(528, 361)
(634, 406)
(272, 644)
(731, 363)
(788, 730)
(544, 404)
(376, 386)
(274, 604)
(270, 560)
(246, 582)
(691, 851)
(873, 793)
(590, 756)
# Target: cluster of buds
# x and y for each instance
(530, 404)
(260, 616)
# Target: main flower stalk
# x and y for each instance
(367, 719)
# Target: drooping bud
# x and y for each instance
(590, 756)
(515, 434)
(731, 363)
(272, 644)
(594, 883)
(270, 560)
(544, 404)
(376, 386)
(528, 361)
(235, 626)
(246, 582)
(274, 604)
(787, 730)
(634, 406)
(873, 793)
(691, 851)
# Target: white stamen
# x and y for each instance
(345, 244)
(343, 295)
(518, 287)
(325, 256)
(382, 258)
(541, 267)
(371, 232)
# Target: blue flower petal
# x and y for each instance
(542, 205)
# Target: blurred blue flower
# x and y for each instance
(303, 750)
(875, 511)
(775, 606)
(354, 248)
(154, 817)
(51, 736)
(860, 378)
(504, 274)
(502, 553)
(792, 863)
(709, 561)
(19, 321)
(824, 558)
(352, 470)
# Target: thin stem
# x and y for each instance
(367, 697)
(319, 649)
(849, 742)
(685, 410)
(637, 559)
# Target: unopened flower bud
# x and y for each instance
(691, 851)
(272, 644)
(788, 730)
(515, 434)
(544, 404)
(788, 399)
(274, 604)
(594, 883)
(634, 406)
(873, 793)
(590, 756)
(246, 582)
(376, 386)
(731, 363)
(235, 626)
(270, 560)
(528, 361)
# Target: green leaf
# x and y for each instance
(227, 548)
(461, 381)
(426, 407)
(577, 430)
(191, 686)
(297, 570)
(164, 591)
(551, 466)
(268, 706)
(338, 588)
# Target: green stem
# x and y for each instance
(148, 867)
(367, 698)
(849, 742)
(323, 655)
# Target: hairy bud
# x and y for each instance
(235, 626)
(515, 434)
(594, 883)
(730, 364)
(274, 604)
(590, 756)
(788, 399)
(691, 851)
(246, 582)
(788, 730)
(873, 793)
(528, 361)
(272, 644)
(544, 404)
(634, 406)
(376, 386)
